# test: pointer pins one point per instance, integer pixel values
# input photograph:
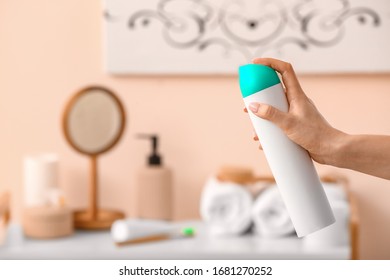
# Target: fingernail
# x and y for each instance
(254, 107)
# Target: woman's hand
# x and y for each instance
(303, 123)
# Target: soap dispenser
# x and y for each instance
(154, 183)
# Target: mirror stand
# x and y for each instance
(93, 122)
(94, 217)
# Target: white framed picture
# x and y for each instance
(216, 36)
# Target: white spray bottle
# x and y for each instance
(291, 165)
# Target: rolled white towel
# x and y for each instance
(335, 192)
(270, 216)
(226, 207)
(335, 235)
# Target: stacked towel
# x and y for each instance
(335, 192)
(336, 234)
(229, 209)
(270, 216)
(226, 207)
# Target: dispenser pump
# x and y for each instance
(154, 159)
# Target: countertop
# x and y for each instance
(99, 245)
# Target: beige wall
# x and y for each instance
(48, 49)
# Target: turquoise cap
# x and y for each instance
(256, 77)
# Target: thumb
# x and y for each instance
(269, 113)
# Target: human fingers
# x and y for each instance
(290, 80)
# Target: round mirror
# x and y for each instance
(93, 122)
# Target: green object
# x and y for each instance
(256, 77)
(188, 231)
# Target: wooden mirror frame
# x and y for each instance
(69, 107)
(93, 217)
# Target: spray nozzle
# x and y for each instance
(154, 158)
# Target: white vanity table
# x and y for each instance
(99, 245)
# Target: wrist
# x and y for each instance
(337, 149)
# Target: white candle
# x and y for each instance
(40, 178)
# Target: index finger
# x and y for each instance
(289, 77)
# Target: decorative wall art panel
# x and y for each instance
(216, 36)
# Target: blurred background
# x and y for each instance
(50, 49)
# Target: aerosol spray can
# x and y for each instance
(291, 165)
